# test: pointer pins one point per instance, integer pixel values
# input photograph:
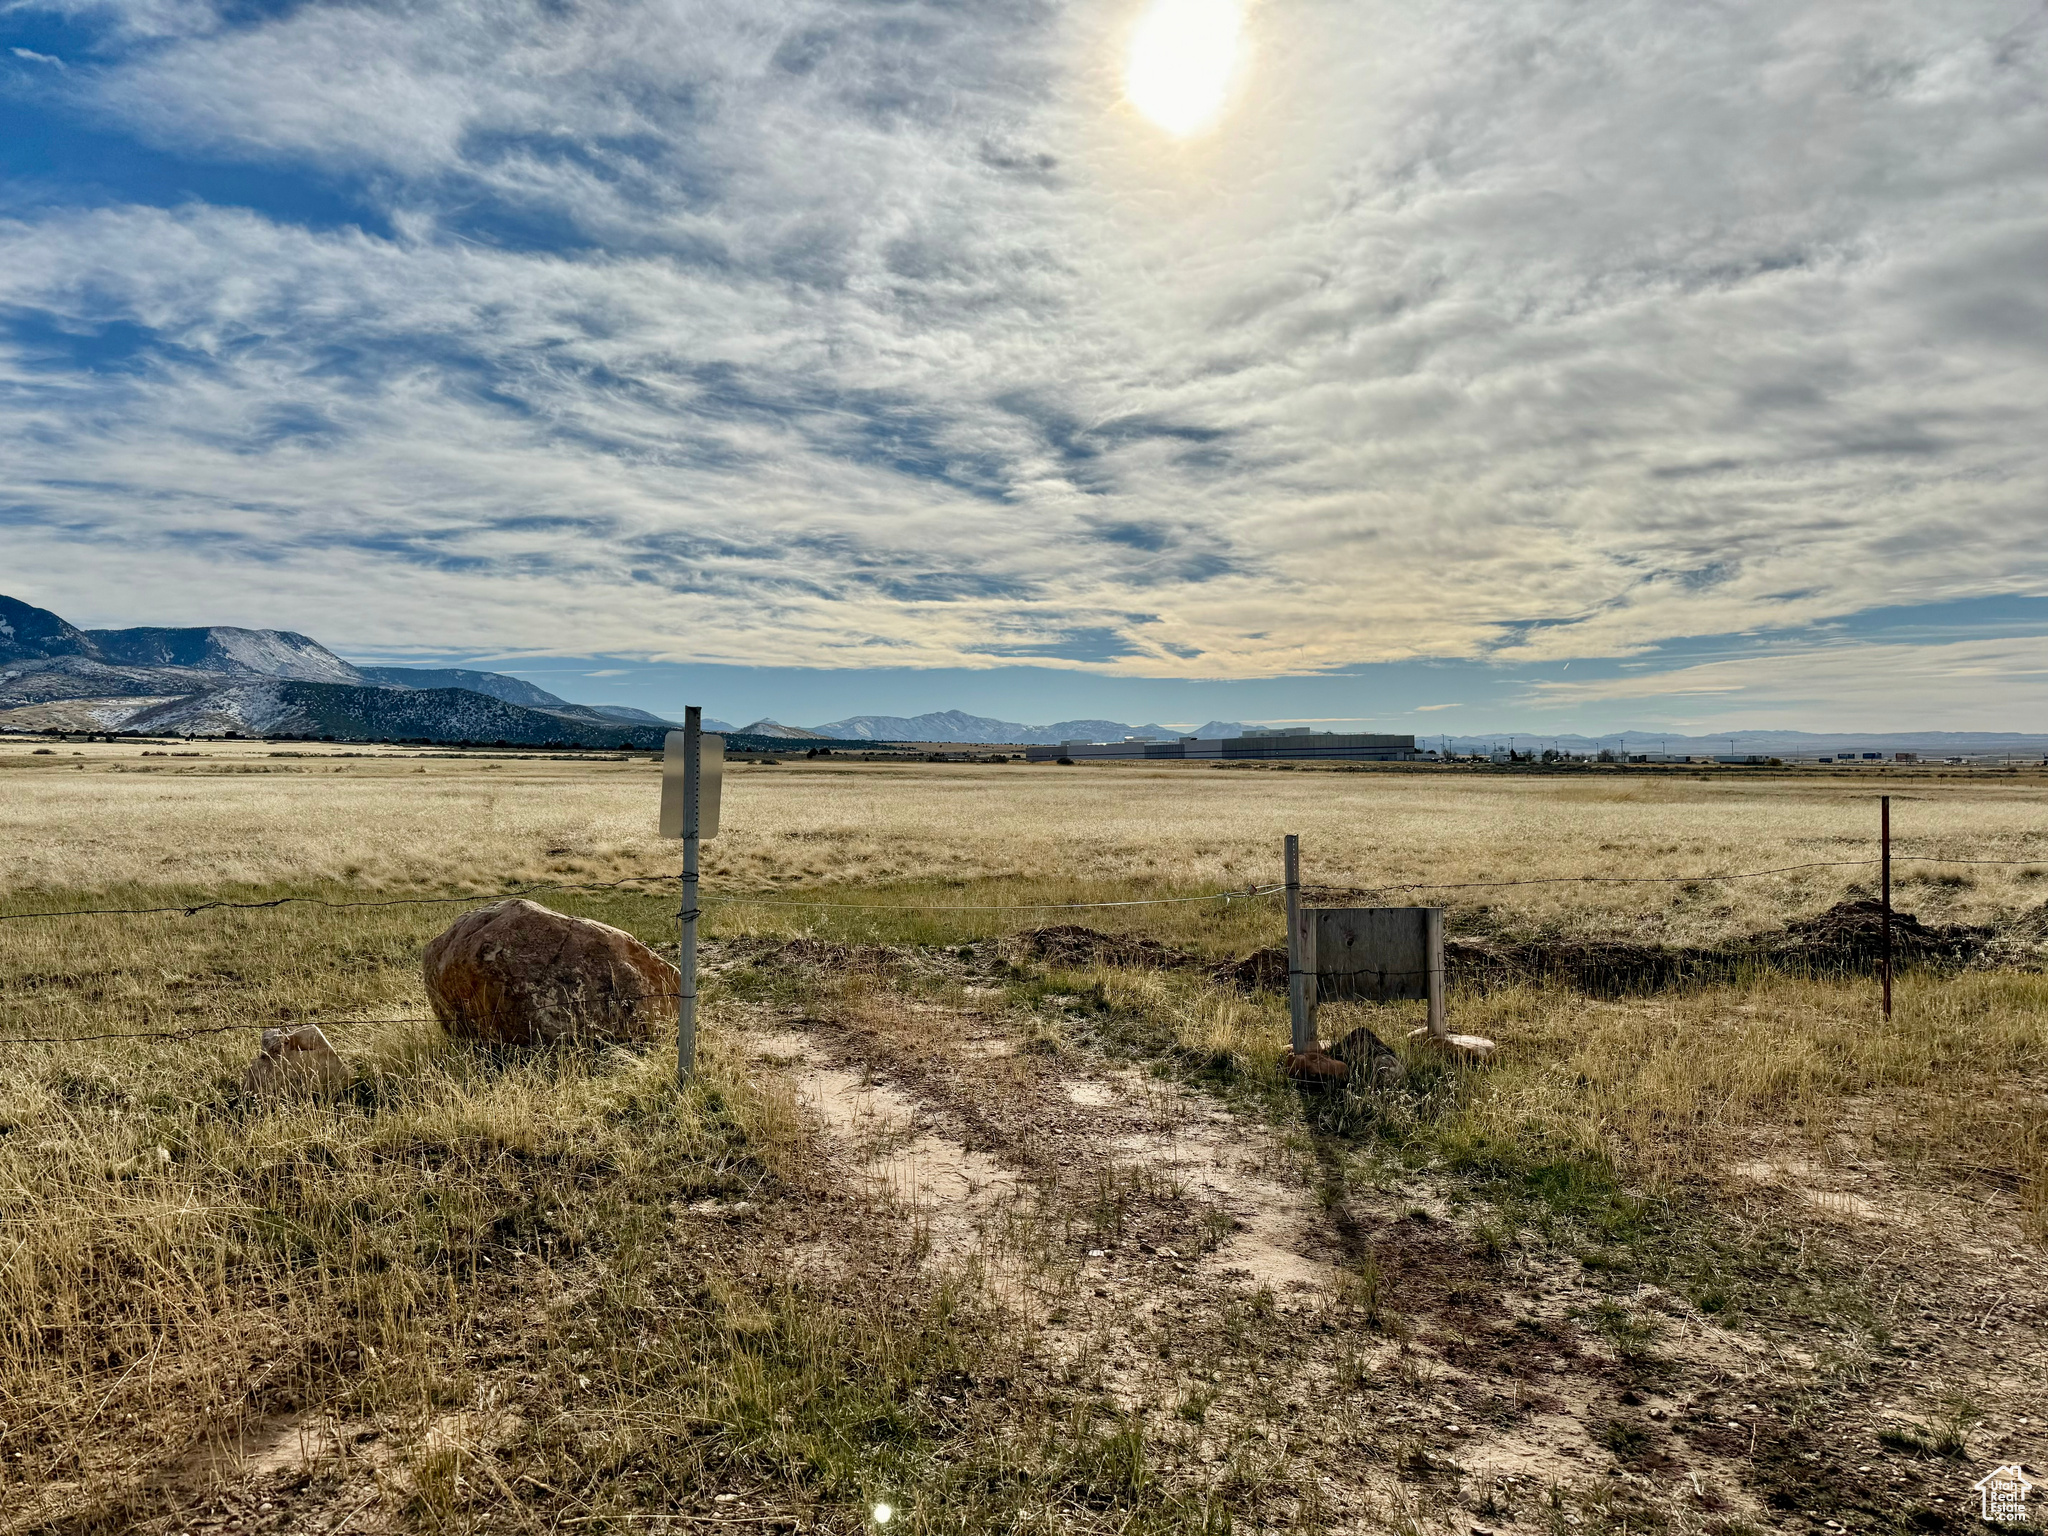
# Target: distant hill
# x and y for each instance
(224, 648)
(956, 726)
(642, 717)
(355, 713)
(29, 633)
(49, 678)
(513, 690)
(209, 679)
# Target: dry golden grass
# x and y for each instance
(1675, 1091)
(179, 1261)
(108, 820)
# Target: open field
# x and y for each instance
(1009, 1245)
(230, 815)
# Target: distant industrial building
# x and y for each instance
(1251, 745)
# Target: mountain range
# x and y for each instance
(217, 679)
(257, 682)
(952, 725)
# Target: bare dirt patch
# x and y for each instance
(1189, 1268)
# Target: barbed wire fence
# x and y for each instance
(648, 884)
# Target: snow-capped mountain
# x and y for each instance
(775, 728)
(216, 678)
(513, 690)
(225, 648)
(29, 633)
(353, 712)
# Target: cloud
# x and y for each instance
(1961, 684)
(796, 332)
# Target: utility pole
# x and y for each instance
(686, 949)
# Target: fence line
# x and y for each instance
(1253, 892)
(195, 908)
(206, 1029)
(1250, 892)
(196, 1030)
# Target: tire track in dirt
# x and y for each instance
(1174, 1258)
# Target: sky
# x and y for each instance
(1573, 365)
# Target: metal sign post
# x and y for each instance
(1300, 966)
(686, 949)
(1884, 836)
(692, 774)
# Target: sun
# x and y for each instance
(1182, 55)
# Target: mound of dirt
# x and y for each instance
(1262, 969)
(1847, 938)
(1074, 948)
(1850, 936)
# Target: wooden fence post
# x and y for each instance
(1439, 1025)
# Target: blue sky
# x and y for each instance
(1556, 367)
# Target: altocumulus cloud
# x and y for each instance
(846, 334)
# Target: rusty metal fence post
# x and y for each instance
(1299, 963)
(1884, 837)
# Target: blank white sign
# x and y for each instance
(712, 753)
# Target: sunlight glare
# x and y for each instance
(1182, 52)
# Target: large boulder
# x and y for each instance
(516, 973)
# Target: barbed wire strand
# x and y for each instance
(207, 1029)
(287, 1024)
(192, 909)
(1022, 906)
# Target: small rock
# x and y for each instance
(1370, 1062)
(1464, 1047)
(1314, 1067)
(295, 1062)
